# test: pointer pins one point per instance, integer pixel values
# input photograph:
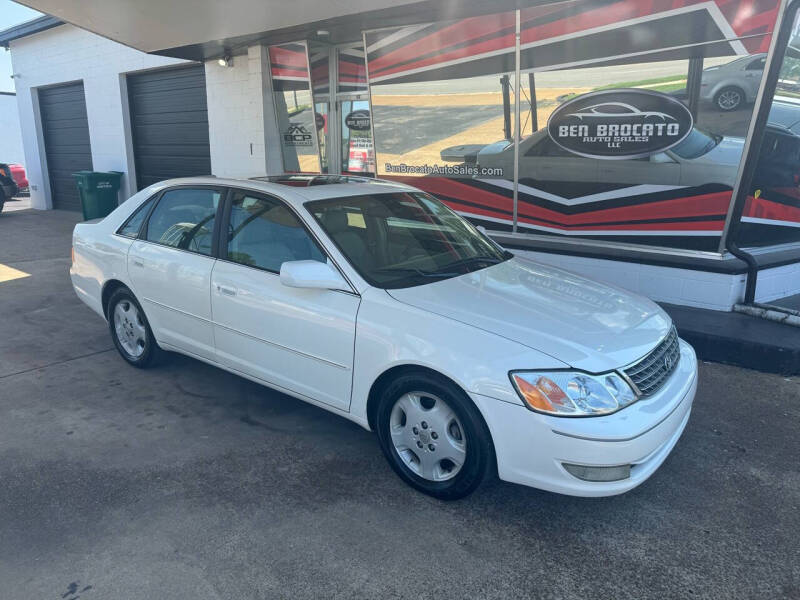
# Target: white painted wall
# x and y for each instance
(239, 106)
(10, 133)
(238, 99)
(66, 54)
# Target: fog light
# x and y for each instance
(599, 473)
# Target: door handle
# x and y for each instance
(226, 290)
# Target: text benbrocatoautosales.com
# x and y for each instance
(445, 170)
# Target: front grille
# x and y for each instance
(649, 373)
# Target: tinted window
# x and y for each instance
(185, 219)
(133, 225)
(757, 65)
(265, 233)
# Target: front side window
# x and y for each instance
(264, 233)
(184, 219)
(404, 239)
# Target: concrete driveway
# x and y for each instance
(188, 482)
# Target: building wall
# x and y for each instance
(65, 54)
(10, 134)
(239, 99)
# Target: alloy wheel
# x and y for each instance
(729, 99)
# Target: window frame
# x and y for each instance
(223, 192)
(222, 243)
(226, 220)
(154, 199)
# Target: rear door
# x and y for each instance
(170, 267)
(301, 340)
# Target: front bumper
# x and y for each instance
(531, 448)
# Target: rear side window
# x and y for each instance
(264, 233)
(184, 219)
(133, 225)
(757, 65)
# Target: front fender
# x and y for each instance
(390, 333)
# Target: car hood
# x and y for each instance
(585, 324)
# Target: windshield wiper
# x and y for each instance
(419, 272)
(473, 260)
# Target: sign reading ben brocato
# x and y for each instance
(620, 124)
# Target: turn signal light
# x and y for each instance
(543, 394)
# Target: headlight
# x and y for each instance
(571, 393)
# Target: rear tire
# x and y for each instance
(729, 98)
(433, 436)
(131, 331)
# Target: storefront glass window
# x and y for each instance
(771, 213)
(294, 107)
(632, 115)
(441, 94)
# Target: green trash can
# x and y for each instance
(98, 191)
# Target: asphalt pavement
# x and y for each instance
(186, 482)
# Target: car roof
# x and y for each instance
(293, 193)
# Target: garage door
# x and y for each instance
(169, 124)
(66, 140)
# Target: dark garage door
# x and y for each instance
(66, 140)
(169, 123)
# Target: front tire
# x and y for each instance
(433, 436)
(130, 330)
(729, 98)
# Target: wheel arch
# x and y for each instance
(392, 373)
(109, 287)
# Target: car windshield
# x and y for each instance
(404, 239)
(696, 144)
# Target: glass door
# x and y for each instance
(341, 109)
(357, 150)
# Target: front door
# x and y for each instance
(341, 106)
(357, 151)
(170, 268)
(300, 340)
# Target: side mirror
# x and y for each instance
(312, 274)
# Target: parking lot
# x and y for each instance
(188, 482)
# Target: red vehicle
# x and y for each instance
(19, 176)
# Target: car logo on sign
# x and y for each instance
(620, 124)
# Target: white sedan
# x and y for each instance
(377, 302)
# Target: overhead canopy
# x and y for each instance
(203, 29)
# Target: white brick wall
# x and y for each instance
(66, 54)
(238, 99)
(235, 116)
(10, 134)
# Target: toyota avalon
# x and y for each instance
(380, 304)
